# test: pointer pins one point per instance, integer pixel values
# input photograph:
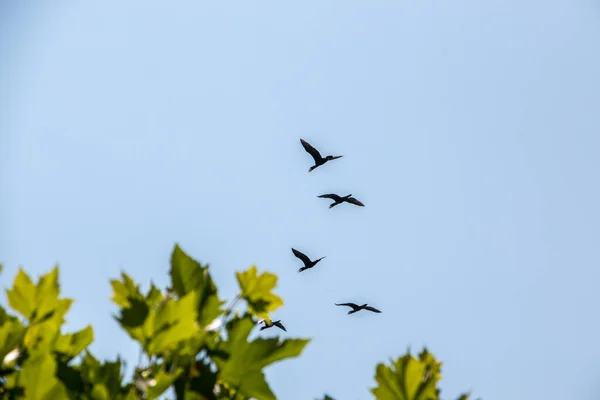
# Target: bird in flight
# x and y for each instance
(268, 324)
(339, 199)
(308, 263)
(319, 159)
(357, 308)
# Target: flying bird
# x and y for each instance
(339, 199)
(357, 308)
(319, 159)
(268, 325)
(308, 263)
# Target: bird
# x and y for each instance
(339, 199)
(268, 325)
(357, 308)
(319, 159)
(307, 261)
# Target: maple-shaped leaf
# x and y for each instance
(243, 367)
(257, 291)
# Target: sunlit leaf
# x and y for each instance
(186, 273)
(11, 335)
(21, 297)
(173, 322)
(243, 368)
(38, 378)
(257, 291)
(72, 344)
(161, 382)
(408, 378)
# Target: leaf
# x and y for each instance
(46, 293)
(186, 273)
(243, 368)
(124, 290)
(172, 322)
(161, 382)
(22, 296)
(38, 378)
(135, 315)
(11, 335)
(72, 344)
(107, 374)
(408, 378)
(256, 290)
(210, 310)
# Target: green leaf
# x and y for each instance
(172, 322)
(99, 392)
(408, 378)
(135, 315)
(74, 343)
(46, 294)
(256, 290)
(161, 382)
(125, 290)
(22, 296)
(11, 336)
(107, 375)
(243, 368)
(38, 379)
(186, 273)
(210, 309)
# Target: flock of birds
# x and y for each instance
(308, 263)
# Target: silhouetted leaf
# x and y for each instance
(70, 377)
(256, 290)
(135, 315)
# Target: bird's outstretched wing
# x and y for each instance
(372, 309)
(301, 256)
(354, 306)
(331, 196)
(311, 150)
(355, 202)
(280, 326)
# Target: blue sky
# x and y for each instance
(470, 130)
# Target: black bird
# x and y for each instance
(357, 308)
(307, 261)
(339, 199)
(268, 325)
(319, 160)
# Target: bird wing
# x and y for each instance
(311, 150)
(354, 201)
(280, 325)
(354, 306)
(301, 256)
(372, 309)
(331, 196)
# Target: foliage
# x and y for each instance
(192, 344)
(410, 378)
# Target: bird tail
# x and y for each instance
(333, 205)
(311, 168)
(302, 269)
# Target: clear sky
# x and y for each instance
(470, 129)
